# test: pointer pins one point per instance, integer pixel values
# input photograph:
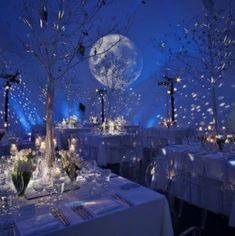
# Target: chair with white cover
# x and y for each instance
(189, 182)
(115, 151)
(229, 192)
(90, 148)
(196, 180)
(215, 179)
(160, 173)
(130, 166)
(150, 173)
(153, 146)
(130, 142)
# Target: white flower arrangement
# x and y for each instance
(71, 163)
(23, 161)
(22, 169)
(70, 122)
(113, 126)
(93, 119)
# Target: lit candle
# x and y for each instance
(63, 122)
(55, 143)
(209, 127)
(111, 127)
(13, 149)
(43, 147)
(200, 128)
(73, 141)
(38, 141)
(72, 148)
(57, 173)
(30, 136)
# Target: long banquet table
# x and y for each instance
(138, 211)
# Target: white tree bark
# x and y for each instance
(50, 147)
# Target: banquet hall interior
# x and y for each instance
(117, 117)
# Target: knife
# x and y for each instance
(57, 213)
(84, 213)
(123, 200)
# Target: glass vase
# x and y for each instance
(21, 181)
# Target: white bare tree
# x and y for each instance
(207, 49)
(58, 35)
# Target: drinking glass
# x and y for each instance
(58, 187)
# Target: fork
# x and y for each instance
(123, 200)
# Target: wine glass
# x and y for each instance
(6, 195)
(50, 189)
(103, 180)
(38, 186)
(58, 184)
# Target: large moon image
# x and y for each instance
(115, 61)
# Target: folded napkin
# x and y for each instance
(69, 213)
(27, 211)
(118, 181)
(38, 225)
(102, 206)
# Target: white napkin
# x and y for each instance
(129, 185)
(118, 181)
(69, 213)
(102, 205)
(27, 211)
(38, 225)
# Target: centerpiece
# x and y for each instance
(71, 163)
(22, 170)
(70, 122)
(167, 122)
(115, 126)
(93, 120)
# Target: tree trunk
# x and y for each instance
(50, 149)
(214, 107)
(213, 80)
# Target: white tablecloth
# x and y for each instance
(109, 149)
(148, 216)
(174, 135)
